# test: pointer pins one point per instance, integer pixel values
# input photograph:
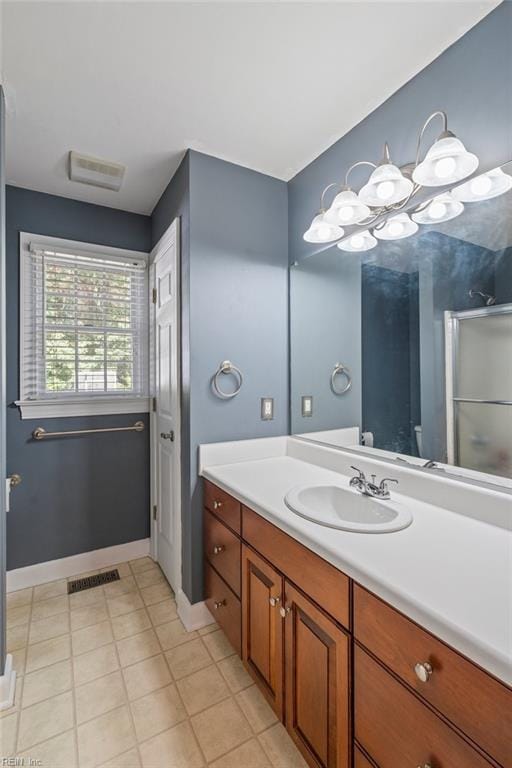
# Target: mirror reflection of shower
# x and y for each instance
(488, 300)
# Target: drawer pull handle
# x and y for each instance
(218, 549)
(274, 601)
(423, 673)
(219, 604)
(217, 504)
(284, 611)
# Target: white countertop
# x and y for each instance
(450, 572)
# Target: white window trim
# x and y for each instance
(83, 405)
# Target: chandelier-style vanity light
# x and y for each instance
(390, 188)
(484, 187)
(441, 208)
(361, 241)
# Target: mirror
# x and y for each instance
(405, 350)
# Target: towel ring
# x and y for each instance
(341, 370)
(227, 367)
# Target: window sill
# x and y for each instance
(97, 406)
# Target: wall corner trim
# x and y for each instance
(41, 573)
(7, 684)
(193, 615)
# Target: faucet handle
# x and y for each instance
(384, 483)
(361, 473)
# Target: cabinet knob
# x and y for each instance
(218, 549)
(274, 601)
(217, 504)
(426, 765)
(219, 604)
(423, 672)
(284, 611)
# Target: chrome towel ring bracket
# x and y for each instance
(340, 370)
(227, 368)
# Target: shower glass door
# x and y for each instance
(479, 389)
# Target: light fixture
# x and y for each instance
(441, 208)
(447, 160)
(390, 188)
(321, 231)
(346, 208)
(396, 228)
(484, 187)
(387, 185)
(361, 241)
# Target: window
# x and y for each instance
(84, 329)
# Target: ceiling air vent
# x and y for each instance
(92, 170)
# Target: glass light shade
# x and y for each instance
(385, 186)
(346, 208)
(396, 228)
(484, 187)
(358, 242)
(446, 162)
(321, 231)
(441, 208)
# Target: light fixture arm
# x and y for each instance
(437, 113)
(322, 196)
(355, 165)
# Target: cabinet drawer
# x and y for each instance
(224, 606)
(474, 701)
(360, 761)
(397, 730)
(317, 578)
(225, 506)
(222, 548)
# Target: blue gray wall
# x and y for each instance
(235, 295)
(81, 493)
(470, 80)
(325, 328)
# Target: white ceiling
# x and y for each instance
(265, 85)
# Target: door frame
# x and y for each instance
(171, 234)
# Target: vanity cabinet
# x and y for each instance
(476, 703)
(397, 730)
(262, 626)
(317, 681)
(356, 683)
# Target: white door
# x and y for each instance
(166, 533)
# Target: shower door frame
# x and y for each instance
(452, 326)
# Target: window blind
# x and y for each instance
(85, 325)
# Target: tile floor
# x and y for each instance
(109, 677)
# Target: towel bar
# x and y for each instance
(41, 434)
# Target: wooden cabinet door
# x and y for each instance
(317, 683)
(262, 626)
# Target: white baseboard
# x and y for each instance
(7, 684)
(193, 615)
(41, 573)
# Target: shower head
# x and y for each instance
(488, 299)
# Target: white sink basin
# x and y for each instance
(337, 506)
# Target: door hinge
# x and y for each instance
(154, 404)
(153, 295)
(155, 509)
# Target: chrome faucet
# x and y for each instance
(370, 487)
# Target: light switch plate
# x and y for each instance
(307, 405)
(267, 408)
